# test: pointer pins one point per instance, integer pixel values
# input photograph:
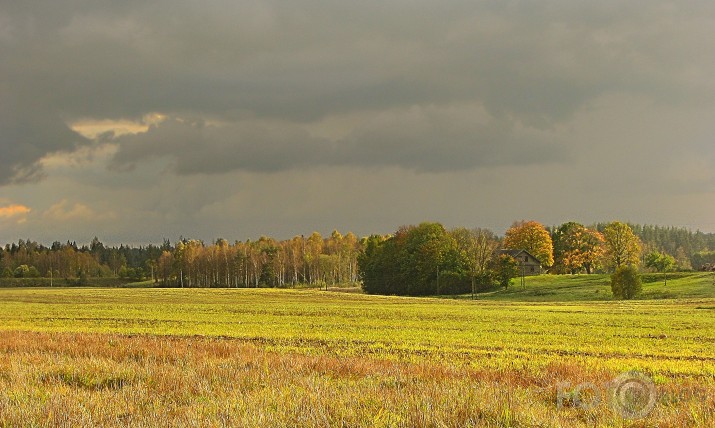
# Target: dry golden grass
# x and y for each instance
(111, 380)
(255, 358)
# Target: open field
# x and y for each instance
(264, 357)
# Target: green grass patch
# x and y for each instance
(494, 333)
(597, 287)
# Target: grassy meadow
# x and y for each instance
(570, 288)
(267, 357)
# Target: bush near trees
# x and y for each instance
(626, 282)
(22, 271)
(131, 274)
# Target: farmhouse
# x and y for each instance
(528, 264)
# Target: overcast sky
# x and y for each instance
(141, 120)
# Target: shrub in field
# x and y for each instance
(626, 282)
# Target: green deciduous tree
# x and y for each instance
(427, 252)
(505, 268)
(477, 247)
(22, 271)
(417, 260)
(626, 282)
(33, 272)
(377, 267)
(622, 246)
(661, 262)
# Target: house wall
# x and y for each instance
(531, 269)
(530, 265)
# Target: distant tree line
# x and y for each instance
(265, 262)
(691, 250)
(27, 258)
(415, 260)
(193, 263)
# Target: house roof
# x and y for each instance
(516, 253)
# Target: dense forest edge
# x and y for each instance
(424, 259)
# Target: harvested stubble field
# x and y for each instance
(261, 357)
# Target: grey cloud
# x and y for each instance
(27, 133)
(431, 139)
(196, 147)
(438, 139)
(532, 64)
(302, 60)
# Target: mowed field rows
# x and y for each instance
(265, 357)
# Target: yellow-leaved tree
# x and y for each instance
(623, 247)
(533, 237)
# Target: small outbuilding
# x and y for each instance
(528, 264)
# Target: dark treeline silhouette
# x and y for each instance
(27, 258)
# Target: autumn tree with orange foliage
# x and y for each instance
(577, 248)
(533, 237)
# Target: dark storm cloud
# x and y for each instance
(199, 148)
(434, 139)
(28, 132)
(439, 86)
(422, 139)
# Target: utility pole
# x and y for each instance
(438, 290)
(473, 286)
